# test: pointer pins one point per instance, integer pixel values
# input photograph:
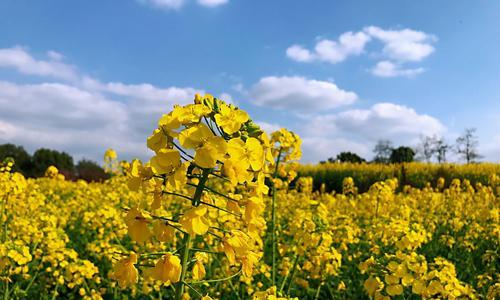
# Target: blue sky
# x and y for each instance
(81, 76)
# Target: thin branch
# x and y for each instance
(219, 208)
(215, 235)
(179, 195)
(182, 150)
(189, 286)
(220, 229)
(205, 250)
(209, 126)
(220, 194)
(218, 280)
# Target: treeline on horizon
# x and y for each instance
(466, 147)
(398, 162)
(35, 165)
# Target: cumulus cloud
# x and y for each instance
(19, 59)
(316, 149)
(268, 127)
(386, 120)
(299, 53)
(357, 129)
(405, 44)
(386, 68)
(299, 94)
(331, 51)
(80, 114)
(65, 118)
(399, 47)
(212, 3)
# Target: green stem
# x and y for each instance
(185, 256)
(31, 282)
(187, 237)
(294, 269)
(205, 251)
(4, 204)
(295, 261)
(201, 185)
(233, 288)
(55, 291)
(318, 291)
(6, 292)
(273, 221)
(192, 288)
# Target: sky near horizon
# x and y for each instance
(82, 76)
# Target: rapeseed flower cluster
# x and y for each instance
(213, 160)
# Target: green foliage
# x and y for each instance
(22, 160)
(90, 171)
(402, 154)
(349, 157)
(44, 158)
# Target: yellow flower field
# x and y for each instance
(219, 213)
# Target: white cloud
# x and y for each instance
(386, 120)
(386, 68)
(299, 53)
(326, 50)
(405, 44)
(348, 44)
(268, 127)
(238, 87)
(227, 98)
(80, 115)
(19, 59)
(54, 55)
(358, 129)
(399, 46)
(315, 149)
(299, 94)
(164, 4)
(212, 3)
(66, 118)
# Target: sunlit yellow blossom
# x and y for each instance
(199, 271)
(167, 269)
(394, 290)
(230, 119)
(195, 136)
(168, 123)
(137, 226)
(213, 150)
(194, 220)
(163, 232)
(125, 272)
(236, 245)
(372, 285)
(157, 140)
(165, 161)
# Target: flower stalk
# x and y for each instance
(273, 219)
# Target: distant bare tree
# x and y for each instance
(466, 145)
(383, 151)
(441, 147)
(427, 147)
